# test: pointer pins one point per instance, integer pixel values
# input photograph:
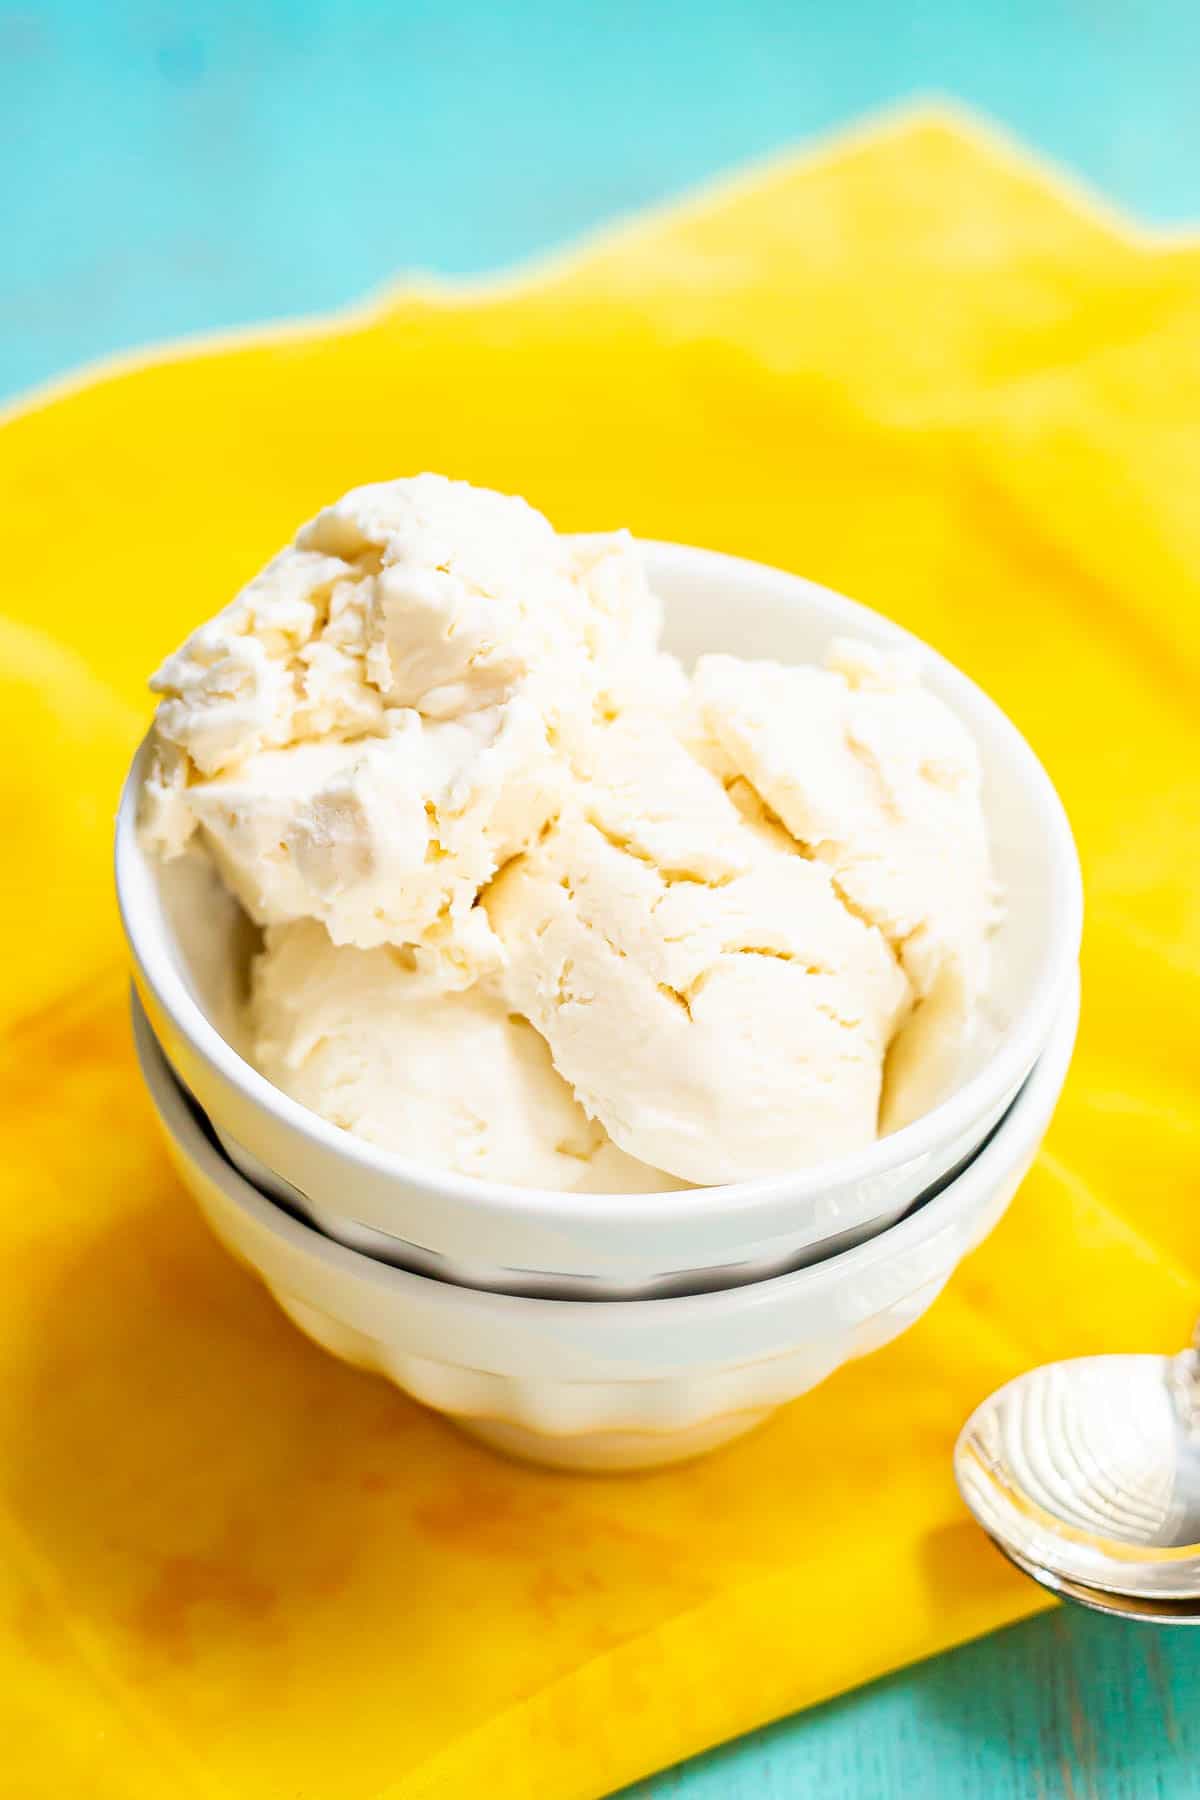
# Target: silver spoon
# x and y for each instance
(1086, 1475)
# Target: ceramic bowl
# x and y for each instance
(191, 944)
(610, 1384)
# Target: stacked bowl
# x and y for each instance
(617, 1331)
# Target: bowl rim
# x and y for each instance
(1015, 1054)
(969, 1190)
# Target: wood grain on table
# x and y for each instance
(1067, 1707)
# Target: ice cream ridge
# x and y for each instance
(536, 905)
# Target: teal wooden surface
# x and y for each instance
(1067, 1707)
(168, 166)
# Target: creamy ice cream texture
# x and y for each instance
(457, 1078)
(698, 980)
(881, 784)
(537, 908)
(367, 731)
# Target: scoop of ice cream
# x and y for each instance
(434, 750)
(700, 983)
(386, 839)
(453, 1079)
(370, 728)
(876, 778)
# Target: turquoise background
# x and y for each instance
(168, 168)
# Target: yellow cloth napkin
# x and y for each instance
(912, 365)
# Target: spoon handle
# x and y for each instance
(1183, 1381)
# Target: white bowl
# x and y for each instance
(190, 946)
(620, 1383)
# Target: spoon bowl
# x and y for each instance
(1087, 1475)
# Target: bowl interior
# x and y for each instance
(713, 602)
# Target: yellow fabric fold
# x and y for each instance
(914, 365)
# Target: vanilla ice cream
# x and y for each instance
(452, 1079)
(700, 983)
(875, 777)
(368, 730)
(539, 908)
